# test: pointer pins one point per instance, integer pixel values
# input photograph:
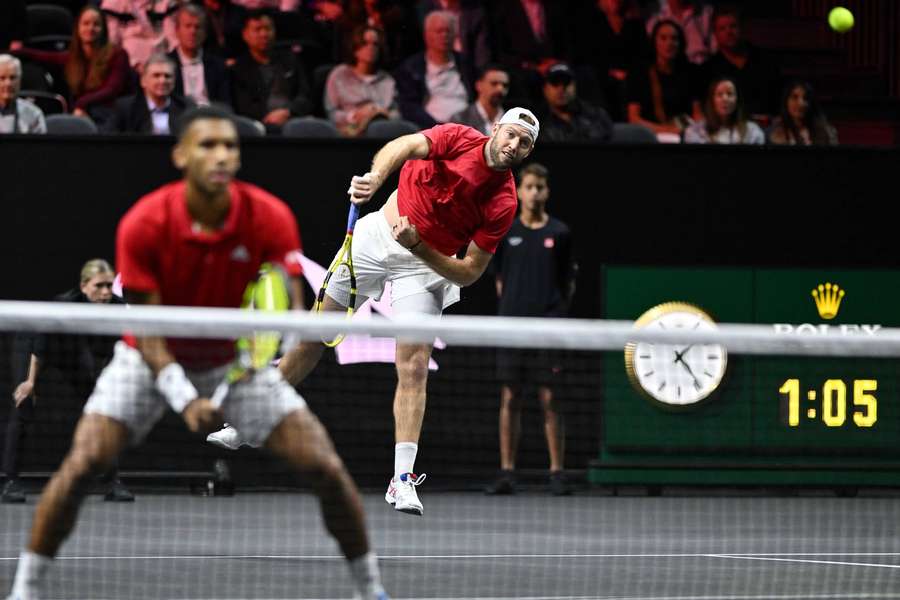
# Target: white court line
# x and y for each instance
(805, 560)
(320, 557)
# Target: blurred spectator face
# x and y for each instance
(98, 288)
(492, 88)
(559, 88)
(798, 104)
(368, 48)
(724, 99)
(209, 154)
(727, 30)
(439, 34)
(533, 192)
(259, 35)
(509, 145)
(190, 32)
(10, 80)
(667, 43)
(158, 80)
(90, 27)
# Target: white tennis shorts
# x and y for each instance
(126, 391)
(377, 259)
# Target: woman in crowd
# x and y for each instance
(724, 121)
(662, 96)
(95, 70)
(802, 121)
(359, 91)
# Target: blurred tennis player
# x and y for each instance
(456, 191)
(198, 242)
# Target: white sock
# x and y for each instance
(30, 573)
(365, 574)
(404, 458)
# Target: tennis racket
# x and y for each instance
(343, 264)
(267, 293)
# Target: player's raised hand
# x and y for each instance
(201, 416)
(22, 391)
(363, 187)
(405, 233)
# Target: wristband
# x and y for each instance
(175, 387)
(411, 248)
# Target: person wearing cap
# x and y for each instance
(456, 191)
(568, 117)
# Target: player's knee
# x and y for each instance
(84, 463)
(413, 370)
(512, 402)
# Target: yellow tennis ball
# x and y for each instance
(840, 19)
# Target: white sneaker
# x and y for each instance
(227, 437)
(401, 493)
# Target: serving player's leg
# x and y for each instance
(98, 441)
(301, 440)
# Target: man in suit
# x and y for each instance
(491, 89)
(434, 85)
(199, 75)
(154, 110)
(268, 85)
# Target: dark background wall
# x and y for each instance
(654, 205)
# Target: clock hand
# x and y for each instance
(679, 355)
(690, 372)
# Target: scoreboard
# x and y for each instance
(771, 419)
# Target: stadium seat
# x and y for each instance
(48, 26)
(309, 127)
(390, 128)
(317, 88)
(631, 133)
(70, 125)
(248, 127)
(48, 102)
(35, 77)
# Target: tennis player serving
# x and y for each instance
(456, 190)
(198, 242)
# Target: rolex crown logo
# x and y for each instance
(828, 299)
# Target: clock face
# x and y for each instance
(676, 375)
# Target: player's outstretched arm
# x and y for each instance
(198, 413)
(461, 271)
(387, 160)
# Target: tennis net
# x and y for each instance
(704, 460)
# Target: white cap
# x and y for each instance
(523, 118)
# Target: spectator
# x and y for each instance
(802, 121)
(757, 76)
(724, 120)
(266, 84)
(402, 34)
(568, 117)
(529, 33)
(76, 360)
(432, 86)
(491, 89)
(472, 37)
(200, 76)
(695, 20)
(234, 14)
(535, 278)
(95, 70)
(662, 95)
(16, 115)
(359, 91)
(12, 24)
(155, 110)
(609, 39)
(141, 27)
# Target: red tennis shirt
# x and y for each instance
(452, 196)
(159, 249)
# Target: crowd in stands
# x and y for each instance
(681, 68)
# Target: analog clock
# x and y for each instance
(677, 376)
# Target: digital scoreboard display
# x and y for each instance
(765, 410)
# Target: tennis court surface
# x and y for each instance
(529, 546)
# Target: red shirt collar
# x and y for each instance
(185, 222)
